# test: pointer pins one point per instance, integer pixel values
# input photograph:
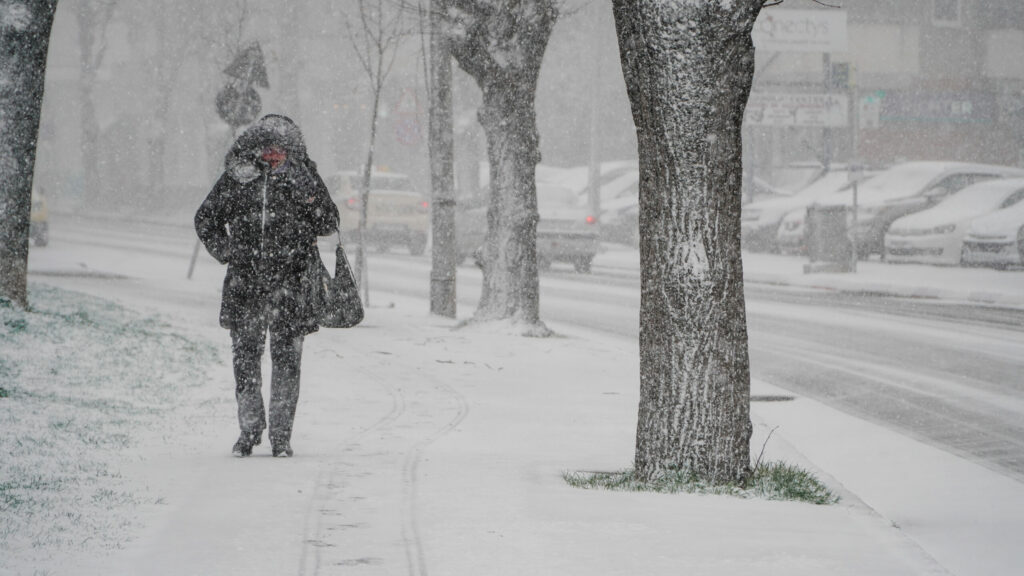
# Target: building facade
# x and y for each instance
(922, 80)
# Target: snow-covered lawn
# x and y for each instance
(87, 387)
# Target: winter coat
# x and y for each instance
(263, 224)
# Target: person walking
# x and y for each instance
(262, 219)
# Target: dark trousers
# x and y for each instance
(247, 345)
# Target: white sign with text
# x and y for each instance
(787, 109)
(821, 30)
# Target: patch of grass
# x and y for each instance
(769, 480)
(85, 379)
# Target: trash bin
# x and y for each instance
(827, 239)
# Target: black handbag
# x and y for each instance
(338, 303)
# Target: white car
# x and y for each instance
(908, 188)
(790, 234)
(936, 235)
(996, 239)
(761, 220)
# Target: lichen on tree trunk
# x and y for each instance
(689, 68)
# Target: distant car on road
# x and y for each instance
(566, 232)
(996, 239)
(397, 215)
(935, 235)
(908, 188)
(39, 222)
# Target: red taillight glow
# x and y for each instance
(352, 202)
(591, 220)
(424, 206)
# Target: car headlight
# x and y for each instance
(947, 229)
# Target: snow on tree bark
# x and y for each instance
(24, 41)
(689, 67)
(501, 45)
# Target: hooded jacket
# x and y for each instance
(263, 224)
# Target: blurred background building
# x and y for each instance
(906, 80)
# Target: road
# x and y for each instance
(946, 374)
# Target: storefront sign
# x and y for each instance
(821, 30)
(806, 110)
(918, 107)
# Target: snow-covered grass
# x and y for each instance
(83, 379)
(770, 480)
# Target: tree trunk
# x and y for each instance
(511, 286)
(688, 68)
(165, 69)
(501, 46)
(363, 272)
(442, 173)
(24, 42)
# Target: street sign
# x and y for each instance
(238, 103)
(804, 110)
(248, 67)
(869, 115)
(822, 30)
(238, 107)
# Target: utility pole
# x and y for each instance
(594, 169)
(442, 169)
(826, 134)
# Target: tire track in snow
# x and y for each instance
(414, 553)
(326, 481)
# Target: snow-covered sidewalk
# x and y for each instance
(426, 450)
(422, 449)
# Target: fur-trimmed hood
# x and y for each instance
(274, 130)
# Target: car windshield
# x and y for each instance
(795, 176)
(554, 197)
(903, 180)
(976, 199)
(831, 182)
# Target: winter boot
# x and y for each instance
(243, 447)
(282, 449)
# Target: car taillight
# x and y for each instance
(352, 203)
(591, 220)
(424, 206)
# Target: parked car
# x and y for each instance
(39, 222)
(908, 188)
(996, 239)
(397, 215)
(790, 237)
(566, 232)
(761, 220)
(935, 235)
